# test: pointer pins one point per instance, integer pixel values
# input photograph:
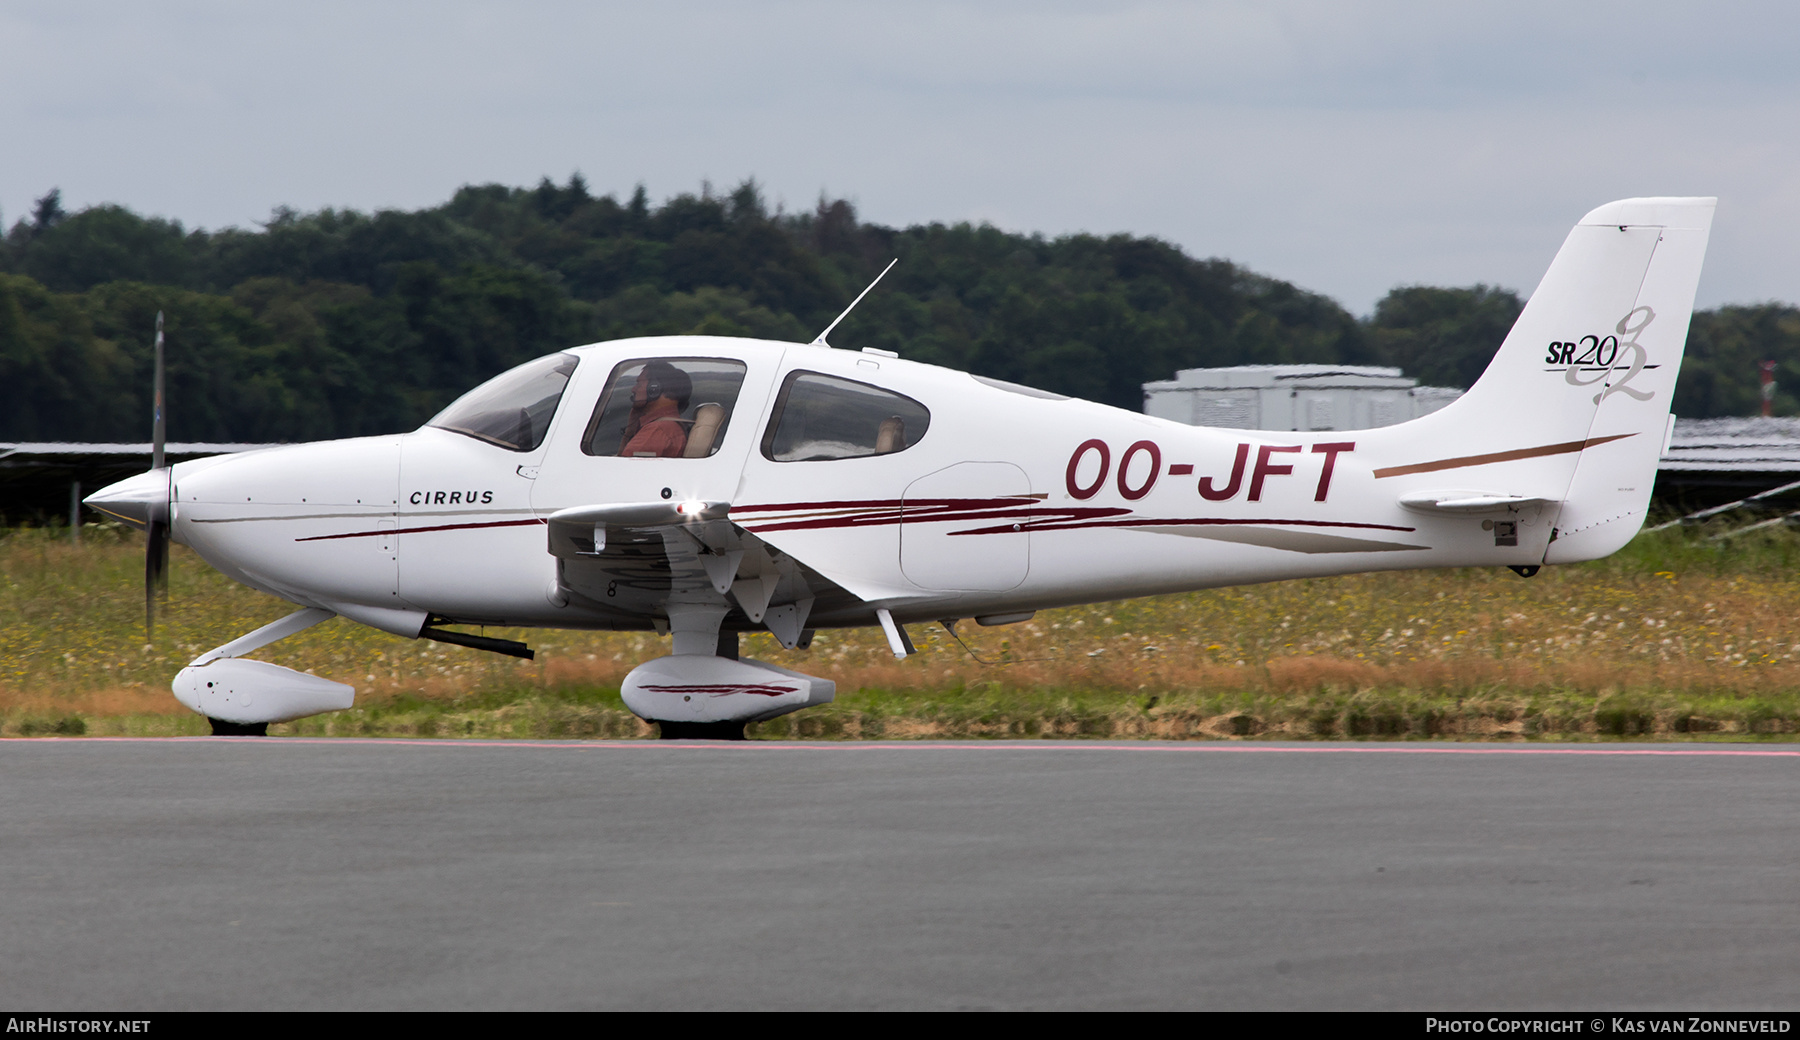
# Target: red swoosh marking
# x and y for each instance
(724, 689)
(1058, 525)
(420, 530)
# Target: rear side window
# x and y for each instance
(820, 417)
(513, 409)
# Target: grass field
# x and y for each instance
(1680, 636)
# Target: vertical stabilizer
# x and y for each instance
(1631, 381)
(1573, 409)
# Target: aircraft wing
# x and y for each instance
(633, 560)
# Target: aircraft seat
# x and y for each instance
(708, 419)
(891, 437)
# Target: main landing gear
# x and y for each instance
(703, 691)
(727, 730)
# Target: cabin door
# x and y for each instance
(963, 528)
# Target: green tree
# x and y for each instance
(1720, 374)
(1442, 337)
(112, 244)
(339, 323)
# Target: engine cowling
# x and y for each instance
(694, 688)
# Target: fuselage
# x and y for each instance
(997, 499)
(708, 486)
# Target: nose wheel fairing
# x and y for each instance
(241, 696)
(245, 692)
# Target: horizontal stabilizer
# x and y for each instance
(1467, 503)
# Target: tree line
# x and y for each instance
(338, 323)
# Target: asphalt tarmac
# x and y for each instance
(172, 874)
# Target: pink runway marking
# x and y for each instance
(1197, 747)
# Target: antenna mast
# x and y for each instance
(820, 341)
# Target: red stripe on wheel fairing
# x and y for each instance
(724, 689)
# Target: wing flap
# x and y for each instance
(632, 560)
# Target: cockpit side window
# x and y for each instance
(665, 408)
(513, 409)
(821, 417)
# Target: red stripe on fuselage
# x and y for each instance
(421, 530)
(1035, 517)
(1186, 522)
(936, 517)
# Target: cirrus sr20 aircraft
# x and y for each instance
(705, 487)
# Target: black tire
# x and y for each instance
(701, 730)
(221, 728)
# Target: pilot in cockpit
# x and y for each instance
(655, 428)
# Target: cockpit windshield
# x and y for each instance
(513, 409)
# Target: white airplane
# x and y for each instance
(706, 487)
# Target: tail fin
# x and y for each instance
(1581, 386)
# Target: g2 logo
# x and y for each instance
(1601, 356)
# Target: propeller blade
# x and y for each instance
(156, 573)
(157, 425)
(156, 543)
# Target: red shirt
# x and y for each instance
(659, 432)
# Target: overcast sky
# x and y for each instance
(1346, 146)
